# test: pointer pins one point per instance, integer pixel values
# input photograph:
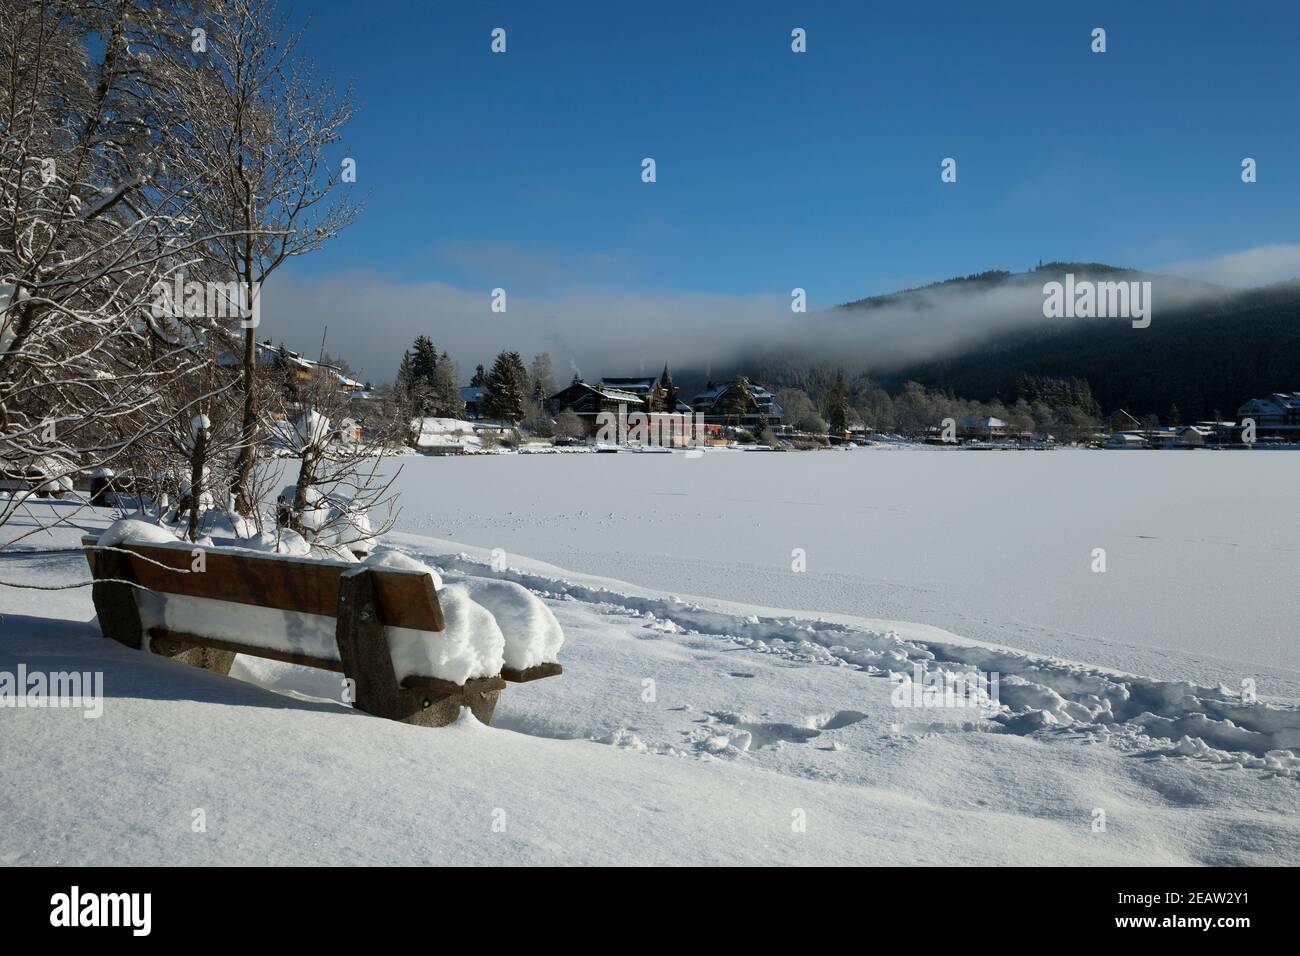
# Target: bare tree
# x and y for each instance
(147, 151)
(569, 425)
(95, 217)
(268, 124)
(342, 497)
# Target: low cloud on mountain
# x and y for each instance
(371, 318)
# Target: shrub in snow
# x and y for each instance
(227, 526)
(135, 531)
(315, 509)
(49, 475)
(282, 541)
(334, 525)
(347, 528)
(205, 499)
(57, 487)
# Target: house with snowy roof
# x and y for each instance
(647, 394)
(984, 427)
(588, 401)
(656, 393)
(719, 403)
(277, 358)
(1122, 421)
(473, 397)
(1277, 418)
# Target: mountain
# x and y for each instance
(1206, 353)
(1207, 347)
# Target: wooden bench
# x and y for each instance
(362, 600)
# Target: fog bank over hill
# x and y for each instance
(889, 334)
(597, 332)
(949, 317)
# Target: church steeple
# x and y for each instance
(669, 390)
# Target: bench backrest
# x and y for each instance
(404, 598)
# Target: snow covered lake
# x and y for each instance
(1202, 548)
(718, 706)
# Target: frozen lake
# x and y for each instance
(1202, 553)
(752, 711)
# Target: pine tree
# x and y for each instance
(402, 403)
(541, 383)
(479, 379)
(506, 388)
(425, 359)
(444, 395)
(421, 378)
(735, 401)
(837, 406)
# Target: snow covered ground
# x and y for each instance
(447, 433)
(1202, 548)
(700, 721)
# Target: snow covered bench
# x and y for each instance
(150, 596)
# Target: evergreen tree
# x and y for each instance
(443, 394)
(506, 388)
(418, 380)
(541, 383)
(425, 360)
(403, 405)
(837, 406)
(479, 379)
(737, 398)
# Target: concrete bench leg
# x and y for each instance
(363, 649)
(443, 709)
(119, 618)
(208, 658)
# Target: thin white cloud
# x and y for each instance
(1261, 265)
(371, 320)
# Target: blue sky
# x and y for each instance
(818, 170)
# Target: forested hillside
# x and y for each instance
(1200, 359)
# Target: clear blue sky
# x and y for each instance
(818, 170)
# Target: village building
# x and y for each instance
(656, 394)
(588, 401)
(717, 404)
(1193, 436)
(621, 396)
(296, 373)
(1122, 421)
(276, 359)
(473, 397)
(982, 428)
(1277, 418)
